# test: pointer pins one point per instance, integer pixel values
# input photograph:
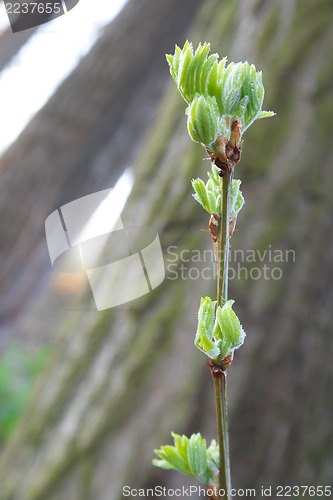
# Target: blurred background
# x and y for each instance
(87, 104)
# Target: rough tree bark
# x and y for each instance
(120, 380)
(84, 138)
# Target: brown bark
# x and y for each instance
(121, 380)
(84, 137)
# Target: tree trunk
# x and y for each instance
(122, 379)
(84, 137)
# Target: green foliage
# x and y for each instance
(190, 456)
(18, 371)
(218, 333)
(204, 339)
(223, 101)
(228, 332)
(203, 120)
(209, 194)
(237, 200)
(206, 197)
(217, 94)
(193, 71)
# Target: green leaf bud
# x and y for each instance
(184, 62)
(209, 184)
(240, 111)
(176, 61)
(205, 343)
(254, 89)
(237, 200)
(231, 87)
(206, 73)
(181, 444)
(228, 330)
(206, 314)
(265, 114)
(221, 71)
(212, 85)
(190, 456)
(229, 93)
(189, 86)
(171, 459)
(197, 455)
(215, 180)
(201, 59)
(203, 338)
(213, 453)
(219, 332)
(201, 194)
(209, 194)
(203, 120)
(212, 202)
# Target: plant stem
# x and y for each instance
(219, 375)
(223, 477)
(223, 243)
(225, 432)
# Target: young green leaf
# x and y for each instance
(254, 88)
(228, 330)
(206, 318)
(173, 62)
(171, 459)
(205, 343)
(231, 87)
(206, 314)
(237, 200)
(190, 456)
(203, 120)
(209, 194)
(229, 92)
(212, 84)
(216, 180)
(265, 114)
(184, 62)
(213, 208)
(197, 455)
(189, 86)
(181, 444)
(219, 331)
(201, 194)
(205, 73)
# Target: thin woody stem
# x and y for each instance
(225, 432)
(220, 376)
(220, 406)
(223, 241)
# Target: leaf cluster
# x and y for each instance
(217, 93)
(190, 456)
(209, 194)
(219, 331)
